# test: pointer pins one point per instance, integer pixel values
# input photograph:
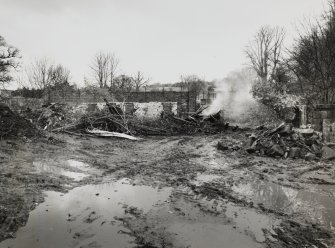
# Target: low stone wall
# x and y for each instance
(21, 103)
(148, 110)
(145, 110)
(186, 100)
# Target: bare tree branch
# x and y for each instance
(265, 51)
(100, 69)
(140, 80)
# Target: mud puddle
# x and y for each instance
(195, 221)
(315, 204)
(87, 216)
(230, 226)
(215, 236)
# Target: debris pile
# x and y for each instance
(169, 124)
(114, 122)
(284, 141)
(13, 125)
(49, 116)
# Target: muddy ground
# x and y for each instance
(68, 191)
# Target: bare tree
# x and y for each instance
(192, 83)
(123, 85)
(312, 59)
(48, 77)
(104, 69)
(113, 63)
(140, 80)
(8, 60)
(39, 75)
(21, 79)
(265, 50)
(59, 75)
(100, 68)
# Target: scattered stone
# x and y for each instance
(328, 153)
(222, 147)
(310, 156)
(275, 151)
(295, 152)
(284, 141)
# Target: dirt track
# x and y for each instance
(161, 192)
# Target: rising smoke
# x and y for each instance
(233, 95)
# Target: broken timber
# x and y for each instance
(101, 133)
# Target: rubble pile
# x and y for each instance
(115, 121)
(112, 121)
(13, 125)
(169, 124)
(286, 142)
(49, 116)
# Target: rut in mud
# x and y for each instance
(161, 192)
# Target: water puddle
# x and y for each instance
(87, 216)
(318, 201)
(228, 225)
(214, 235)
(250, 221)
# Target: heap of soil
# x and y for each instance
(13, 125)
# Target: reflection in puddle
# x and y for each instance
(249, 220)
(85, 217)
(318, 203)
(231, 226)
(214, 235)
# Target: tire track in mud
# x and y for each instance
(180, 166)
(177, 162)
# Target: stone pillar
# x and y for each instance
(328, 130)
(303, 115)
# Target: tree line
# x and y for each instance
(42, 78)
(301, 74)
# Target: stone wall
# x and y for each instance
(186, 101)
(322, 119)
(21, 103)
(150, 110)
(145, 110)
(319, 113)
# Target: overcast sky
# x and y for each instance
(164, 39)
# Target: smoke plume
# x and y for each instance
(233, 95)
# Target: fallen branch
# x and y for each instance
(182, 120)
(102, 133)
